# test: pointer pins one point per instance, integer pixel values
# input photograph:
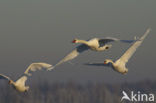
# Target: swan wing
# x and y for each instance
(126, 56)
(38, 66)
(4, 77)
(96, 64)
(106, 40)
(74, 53)
(21, 81)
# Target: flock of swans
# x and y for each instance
(94, 44)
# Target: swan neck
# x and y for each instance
(111, 61)
(83, 42)
(12, 82)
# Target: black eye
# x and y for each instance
(107, 47)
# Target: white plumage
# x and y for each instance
(38, 66)
(19, 84)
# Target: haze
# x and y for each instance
(42, 31)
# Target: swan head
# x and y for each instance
(10, 82)
(107, 61)
(75, 41)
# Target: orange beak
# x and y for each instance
(105, 62)
(74, 41)
(9, 82)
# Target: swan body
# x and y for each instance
(19, 84)
(94, 44)
(120, 64)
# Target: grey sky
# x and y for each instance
(37, 30)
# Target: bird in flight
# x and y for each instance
(120, 64)
(19, 84)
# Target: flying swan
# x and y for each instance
(19, 85)
(94, 44)
(119, 65)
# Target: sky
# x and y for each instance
(42, 31)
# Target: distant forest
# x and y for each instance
(71, 92)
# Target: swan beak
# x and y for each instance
(74, 41)
(105, 62)
(9, 82)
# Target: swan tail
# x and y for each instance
(51, 68)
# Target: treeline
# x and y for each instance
(70, 92)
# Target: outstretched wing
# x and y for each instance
(106, 40)
(21, 81)
(73, 54)
(37, 66)
(4, 77)
(126, 56)
(102, 42)
(96, 64)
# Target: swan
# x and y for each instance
(19, 84)
(120, 64)
(95, 44)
